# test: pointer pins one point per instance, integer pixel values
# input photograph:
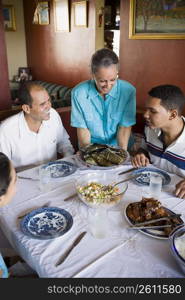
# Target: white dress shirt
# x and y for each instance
(26, 148)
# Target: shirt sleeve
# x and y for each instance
(3, 268)
(64, 145)
(129, 114)
(77, 115)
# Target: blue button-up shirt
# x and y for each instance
(3, 268)
(103, 116)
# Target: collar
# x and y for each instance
(178, 140)
(94, 93)
(23, 126)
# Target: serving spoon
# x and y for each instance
(107, 187)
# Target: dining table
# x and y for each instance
(123, 253)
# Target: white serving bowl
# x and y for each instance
(177, 246)
(105, 179)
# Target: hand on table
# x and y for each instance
(180, 189)
(140, 160)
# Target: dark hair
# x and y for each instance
(171, 96)
(103, 58)
(24, 92)
(5, 170)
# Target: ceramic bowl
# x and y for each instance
(177, 246)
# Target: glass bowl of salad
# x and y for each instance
(97, 189)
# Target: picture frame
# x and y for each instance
(80, 13)
(9, 18)
(61, 15)
(43, 13)
(24, 74)
(151, 19)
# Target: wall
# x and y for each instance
(60, 57)
(15, 40)
(147, 63)
(5, 101)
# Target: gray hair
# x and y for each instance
(103, 58)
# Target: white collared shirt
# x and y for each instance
(26, 148)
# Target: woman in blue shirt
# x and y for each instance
(104, 108)
(7, 191)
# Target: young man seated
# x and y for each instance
(164, 144)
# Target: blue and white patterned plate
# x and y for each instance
(46, 223)
(144, 179)
(60, 168)
(155, 233)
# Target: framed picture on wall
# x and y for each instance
(80, 13)
(24, 74)
(43, 13)
(152, 19)
(61, 15)
(9, 18)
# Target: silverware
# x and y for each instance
(129, 178)
(22, 216)
(148, 227)
(127, 171)
(124, 180)
(74, 244)
(29, 178)
(157, 220)
(70, 197)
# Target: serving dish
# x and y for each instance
(102, 157)
(98, 181)
(144, 179)
(46, 223)
(151, 209)
(60, 168)
(177, 246)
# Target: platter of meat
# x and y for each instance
(150, 209)
(100, 156)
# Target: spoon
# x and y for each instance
(107, 187)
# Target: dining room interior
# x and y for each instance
(62, 56)
(57, 55)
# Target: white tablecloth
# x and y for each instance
(124, 253)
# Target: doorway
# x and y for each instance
(112, 25)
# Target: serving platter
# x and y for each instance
(144, 179)
(60, 168)
(46, 223)
(83, 152)
(155, 233)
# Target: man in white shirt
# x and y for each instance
(35, 135)
(164, 144)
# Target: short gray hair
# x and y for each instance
(103, 58)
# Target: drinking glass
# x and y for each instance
(98, 222)
(155, 185)
(44, 179)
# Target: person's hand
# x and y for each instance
(180, 189)
(140, 160)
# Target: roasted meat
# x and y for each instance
(150, 209)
